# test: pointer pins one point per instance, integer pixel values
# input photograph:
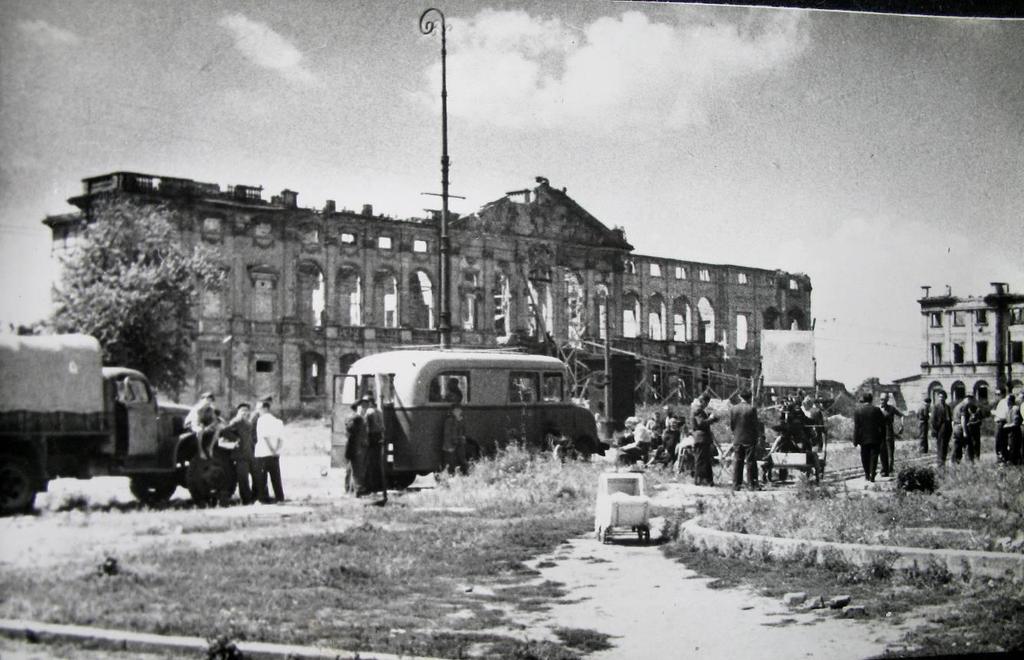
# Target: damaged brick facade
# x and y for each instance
(311, 290)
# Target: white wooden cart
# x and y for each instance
(622, 505)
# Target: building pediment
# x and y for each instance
(544, 213)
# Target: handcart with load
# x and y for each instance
(622, 505)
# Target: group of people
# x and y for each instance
(874, 432)
(687, 443)
(247, 448)
(961, 424)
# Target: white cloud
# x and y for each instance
(510, 69)
(45, 34)
(267, 49)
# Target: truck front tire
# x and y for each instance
(153, 491)
(17, 492)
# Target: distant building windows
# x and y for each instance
(1016, 315)
(680, 272)
(981, 317)
(311, 235)
(793, 285)
(630, 315)
(958, 353)
(656, 326)
(935, 319)
(312, 374)
(1017, 351)
(704, 275)
(264, 366)
(706, 321)
(312, 299)
(419, 245)
(502, 299)
(936, 354)
(387, 294)
(981, 351)
(741, 278)
(421, 300)
(655, 270)
(959, 317)
(629, 267)
(384, 242)
(347, 238)
(350, 296)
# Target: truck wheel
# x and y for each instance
(17, 494)
(204, 480)
(152, 491)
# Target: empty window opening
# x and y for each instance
(419, 245)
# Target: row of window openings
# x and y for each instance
(703, 274)
(980, 352)
(262, 230)
(980, 317)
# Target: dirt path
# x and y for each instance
(654, 607)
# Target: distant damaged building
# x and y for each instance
(312, 290)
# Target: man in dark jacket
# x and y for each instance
(745, 429)
(923, 417)
(236, 438)
(941, 422)
(888, 447)
(868, 434)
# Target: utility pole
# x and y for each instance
(444, 243)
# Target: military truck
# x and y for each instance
(63, 414)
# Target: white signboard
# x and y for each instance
(787, 358)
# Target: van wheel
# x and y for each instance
(401, 480)
(17, 494)
(153, 491)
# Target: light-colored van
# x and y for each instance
(506, 397)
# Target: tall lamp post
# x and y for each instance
(445, 318)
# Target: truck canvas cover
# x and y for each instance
(52, 373)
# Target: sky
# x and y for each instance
(876, 153)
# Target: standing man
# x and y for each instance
(239, 433)
(868, 434)
(941, 422)
(973, 415)
(1001, 416)
(922, 420)
(268, 454)
(701, 420)
(1015, 435)
(367, 468)
(887, 454)
(744, 425)
(453, 444)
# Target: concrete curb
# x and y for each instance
(124, 640)
(962, 563)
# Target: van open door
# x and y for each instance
(343, 396)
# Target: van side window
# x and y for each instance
(552, 390)
(449, 387)
(522, 387)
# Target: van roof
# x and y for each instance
(388, 361)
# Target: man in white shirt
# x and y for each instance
(1001, 416)
(268, 454)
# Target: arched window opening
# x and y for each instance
(656, 318)
(312, 295)
(312, 374)
(796, 319)
(981, 391)
(770, 319)
(421, 300)
(682, 320)
(538, 300)
(575, 307)
(350, 297)
(706, 317)
(502, 298)
(741, 332)
(601, 310)
(386, 294)
(957, 391)
(630, 315)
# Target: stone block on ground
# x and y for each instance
(794, 598)
(839, 602)
(853, 612)
(815, 603)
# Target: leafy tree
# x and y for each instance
(132, 283)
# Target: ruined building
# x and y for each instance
(972, 345)
(311, 290)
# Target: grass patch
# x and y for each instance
(977, 507)
(395, 582)
(583, 639)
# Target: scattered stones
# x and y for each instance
(853, 612)
(839, 602)
(815, 603)
(794, 598)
